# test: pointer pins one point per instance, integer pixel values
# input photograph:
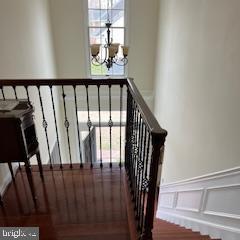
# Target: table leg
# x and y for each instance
(30, 179)
(39, 164)
(1, 201)
(11, 170)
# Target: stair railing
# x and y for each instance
(144, 147)
(57, 103)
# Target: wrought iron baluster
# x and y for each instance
(138, 163)
(16, 97)
(28, 97)
(15, 92)
(67, 125)
(139, 167)
(38, 153)
(100, 126)
(127, 133)
(132, 147)
(3, 95)
(141, 175)
(121, 99)
(145, 178)
(76, 112)
(132, 141)
(110, 123)
(56, 126)
(135, 152)
(45, 125)
(89, 124)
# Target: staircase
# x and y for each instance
(167, 231)
(82, 119)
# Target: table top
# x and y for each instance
(19, 111)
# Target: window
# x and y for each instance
(98, 13)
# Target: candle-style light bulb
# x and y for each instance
(125, 50)
(116, 47)
(95, 49)
(111, 51)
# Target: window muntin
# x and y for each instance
(97, 32)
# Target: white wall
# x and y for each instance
(69, 37)
(25, 45)
(143, 17)
(197, 86)
(26, 52)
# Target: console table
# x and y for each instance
(18, 141)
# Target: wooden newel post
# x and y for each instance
(157, 143)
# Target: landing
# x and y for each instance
(72, 204)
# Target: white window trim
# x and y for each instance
(87, 40)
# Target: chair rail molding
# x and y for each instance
(208, 203)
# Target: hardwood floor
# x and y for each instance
(72, 204)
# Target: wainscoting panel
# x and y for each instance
(209, 204)
(218, 198)
(189, 200)
(167, 200)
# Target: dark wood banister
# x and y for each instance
(146, 113)
(62, 81)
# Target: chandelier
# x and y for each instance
(110, 50)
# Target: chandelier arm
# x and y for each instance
(123, 60)
(106, 51)
(96, 62)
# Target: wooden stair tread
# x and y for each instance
(168, 231)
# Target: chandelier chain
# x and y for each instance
(108, 10)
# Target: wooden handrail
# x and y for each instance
(62, 81)
(146, 113)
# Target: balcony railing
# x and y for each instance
(59, 106)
